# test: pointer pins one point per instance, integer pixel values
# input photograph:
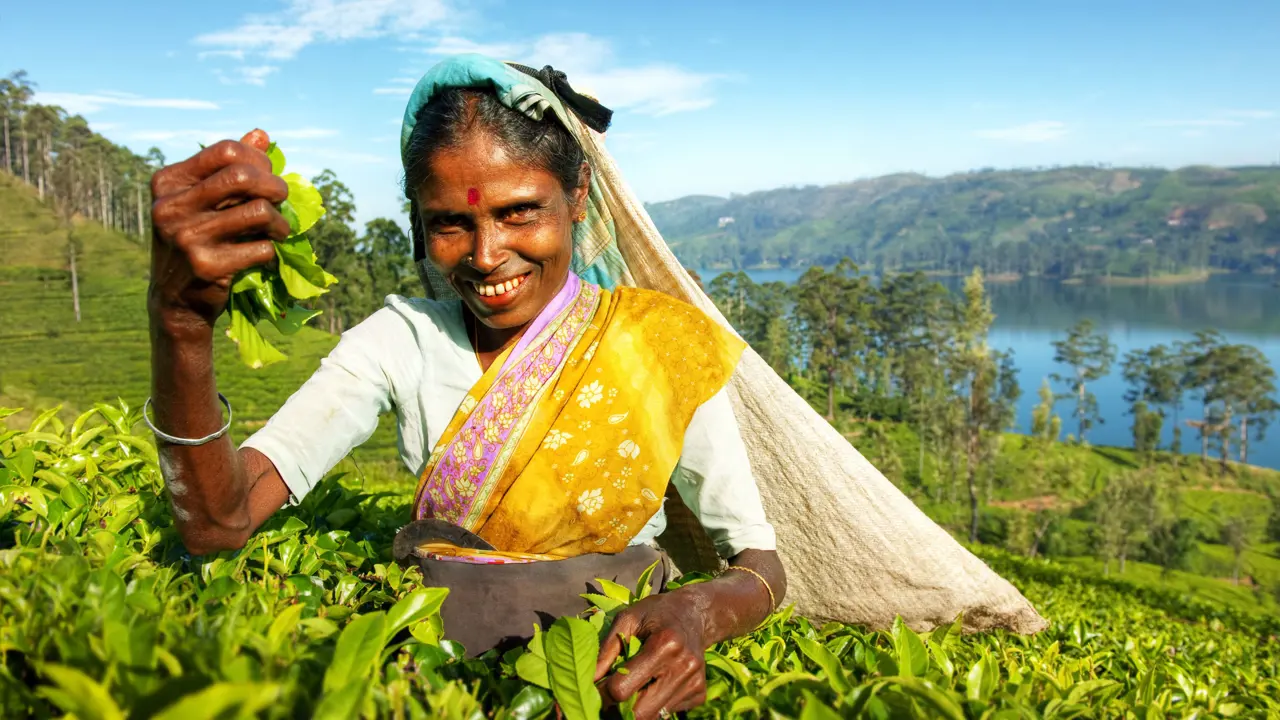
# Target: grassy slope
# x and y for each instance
(1198, 488)
(47, 358)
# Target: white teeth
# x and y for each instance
(499, 289)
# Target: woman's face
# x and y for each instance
(499, 231)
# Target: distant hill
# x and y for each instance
(1073, 222)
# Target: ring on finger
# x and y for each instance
(663, 713)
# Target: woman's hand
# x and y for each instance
(676, 628)
(670, 628)
(213, 215)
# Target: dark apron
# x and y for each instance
(496, 606)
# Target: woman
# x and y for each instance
(544, 413)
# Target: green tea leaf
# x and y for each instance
(305, 201)
(815, 709)
(644, 585)
(276, 157)
(529, 703)
(980, 680)
(343, 703)
(359, 647)
(614, 591)
(940, 703)
(22, 463)
(734, 669)
(283, 627)
(534, 670)
(787, 679)
(220, 699)
(830, 664)
(303, 278)
(255, 351)
(912, 658)
(412, 608)
(603, 602)
(572, 648)
(78, 694)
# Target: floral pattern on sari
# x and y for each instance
(463, 465)
(571, 449)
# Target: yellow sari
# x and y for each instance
(567, 448)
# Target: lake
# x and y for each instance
(1031, 313)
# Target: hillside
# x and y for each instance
(1066, 223)
(48, 358)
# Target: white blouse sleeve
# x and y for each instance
(714, 479)
(337, 408)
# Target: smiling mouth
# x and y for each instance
(500, 289)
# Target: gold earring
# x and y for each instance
(581, 217)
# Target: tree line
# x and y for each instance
(81, 174)
(902, 348)
(77, 171)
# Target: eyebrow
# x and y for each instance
(470, 210)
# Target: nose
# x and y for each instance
(490, 248)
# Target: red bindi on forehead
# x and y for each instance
(473, 196)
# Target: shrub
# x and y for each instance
(102, 614)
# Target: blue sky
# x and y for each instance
(711, 97)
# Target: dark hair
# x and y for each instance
(453, 113)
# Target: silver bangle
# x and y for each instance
(187, 441)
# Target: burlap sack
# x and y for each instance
(856, 549)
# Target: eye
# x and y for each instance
(444, 224)
(522, 213)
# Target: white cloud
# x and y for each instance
(1032, 132)
(187, 138)
(1251, 114)
(303, 22)
(589, 62)
(247, 75)
(461, 46)
(309, 133)
(191, 137)
(76, 103)
(1196, 123)
(361, 158)
(233, 54)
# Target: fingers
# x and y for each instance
(255, 220)
(658, 650)
(219, 264)
(257, 139)
(238, 183)
(624, 625)
(682, 687)
(186, 174)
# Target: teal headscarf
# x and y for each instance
(596, 258)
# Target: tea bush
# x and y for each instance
(103, 615)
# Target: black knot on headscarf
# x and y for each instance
(589, 111)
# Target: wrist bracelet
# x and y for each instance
(190, 442)
(773, 603)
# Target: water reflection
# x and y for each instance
(1031, 313)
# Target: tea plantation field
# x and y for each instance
(48, 358)
(103, 615)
